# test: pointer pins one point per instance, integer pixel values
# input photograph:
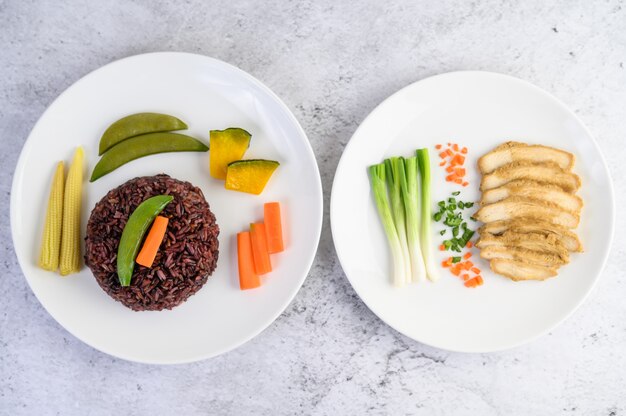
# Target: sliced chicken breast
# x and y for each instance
(518, 270)
(535, 242)
(532, 189)
(515, 207)
(521, 254)
(545, 172)
(533, 226)
(514, 151)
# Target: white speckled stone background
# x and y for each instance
(332, 62)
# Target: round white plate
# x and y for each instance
(207, 94)
(479, 110)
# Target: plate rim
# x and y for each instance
(548, 96)
(317, 224)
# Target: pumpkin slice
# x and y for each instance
(226, 146)
(250, 176)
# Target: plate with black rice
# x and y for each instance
(188, 306)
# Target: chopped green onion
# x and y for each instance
(457, 193)
(442, 232)
(456, 259)
(437, 216)
(461, 204)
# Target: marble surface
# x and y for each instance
(332, 63)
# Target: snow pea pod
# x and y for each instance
(136, 124)
(144, 145)
(133, 233)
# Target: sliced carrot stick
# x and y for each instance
(152, 242)
(260, 254)
(248, 279)
(273, 227)
(467, 255)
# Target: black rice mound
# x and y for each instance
(186, 258)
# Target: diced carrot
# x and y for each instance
(456, 270)
(465, 183)
(451, 177)
(248, 279)
(458, 159)
(449, 152)
(450, 169)
(273, 227)
(442, 247)
(475, 270)
(458, 180)
(260, 254)
(469, 244)
(459, 171)
(153, 242)
(467, 255)
(479, 279)
(438, 147)
(443, 155)
(455, 147)
(468, 265)
(442, 163)
(471, 283)
(465, 277)
(464, 150)
(447, 262)
(449, 144)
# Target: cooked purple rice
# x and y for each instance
(186, 258)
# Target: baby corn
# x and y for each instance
(51, 242)
(70, 241)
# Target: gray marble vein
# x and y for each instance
(332, 62)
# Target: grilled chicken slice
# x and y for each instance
(532, 226)
(518, 270)
(521, 254)
(515, 207)
(532, 189)
(514, 151)
(545, 172)
(535, 242)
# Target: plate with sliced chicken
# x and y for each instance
(472, 211)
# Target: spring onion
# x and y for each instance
(379, 189)
(425, 233)
(395, 171)
(408, 174)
